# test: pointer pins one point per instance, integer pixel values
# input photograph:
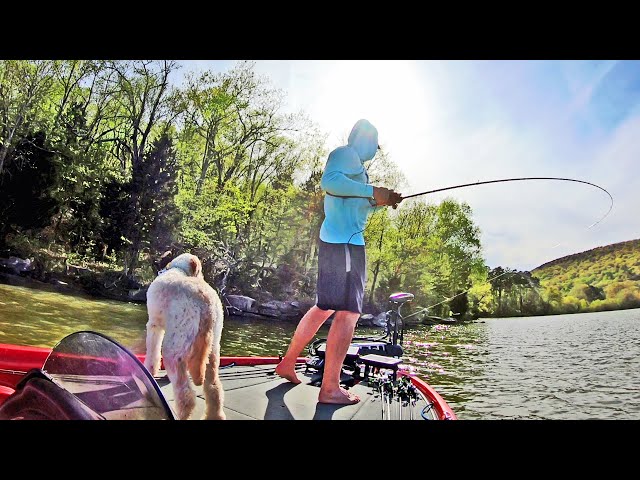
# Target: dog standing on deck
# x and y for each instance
(184, 328)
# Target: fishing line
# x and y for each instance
(522, 179)
(462, 293)
(514, 180)
(473, 184)
(518, 179)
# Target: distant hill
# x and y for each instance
(602, 278)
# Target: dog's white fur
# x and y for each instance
(184, 327)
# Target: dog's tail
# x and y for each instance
(201, 348)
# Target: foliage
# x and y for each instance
(26, 185)
(603, 278)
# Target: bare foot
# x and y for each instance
(340, 397)
(287, 373)
(350, 394)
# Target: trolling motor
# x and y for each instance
(395, 318)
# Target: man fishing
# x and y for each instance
(342, 269)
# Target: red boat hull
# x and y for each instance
(16, 361)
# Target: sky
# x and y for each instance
(447, 123)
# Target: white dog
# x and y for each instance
(185, 326)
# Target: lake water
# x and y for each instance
(569, 367)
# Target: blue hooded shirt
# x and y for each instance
(345, 175)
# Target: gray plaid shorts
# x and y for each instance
(342, 276)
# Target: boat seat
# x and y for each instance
(372, 361)
(401, 297)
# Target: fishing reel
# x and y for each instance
(398, 398)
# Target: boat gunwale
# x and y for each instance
(17, 360)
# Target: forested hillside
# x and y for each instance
(603, 278)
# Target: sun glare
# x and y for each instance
(389, 93)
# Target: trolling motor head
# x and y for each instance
(400, 298)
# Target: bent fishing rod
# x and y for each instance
(502, 181)
(511, 180)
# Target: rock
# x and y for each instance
(139, 295)
(277, 308)
(380, 320)
(241, 302)
(246, 306)
(51, 286)
(365, 320)
(17, 265)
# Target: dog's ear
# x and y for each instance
(196, 266)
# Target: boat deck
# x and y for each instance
(256, 393)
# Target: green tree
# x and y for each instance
(147, 111)
(24, 87)
(25, 186)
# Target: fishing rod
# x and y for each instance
(502, 180)
(517, 179)
(514, 180)
(509, 180)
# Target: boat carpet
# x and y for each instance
(256, 393)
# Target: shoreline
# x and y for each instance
(64, 286)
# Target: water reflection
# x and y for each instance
(42, 318)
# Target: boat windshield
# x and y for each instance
(107, 378)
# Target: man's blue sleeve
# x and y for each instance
(342, 162)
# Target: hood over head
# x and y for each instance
(364, 139)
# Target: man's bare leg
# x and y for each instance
(305, 331)
(338, 341)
